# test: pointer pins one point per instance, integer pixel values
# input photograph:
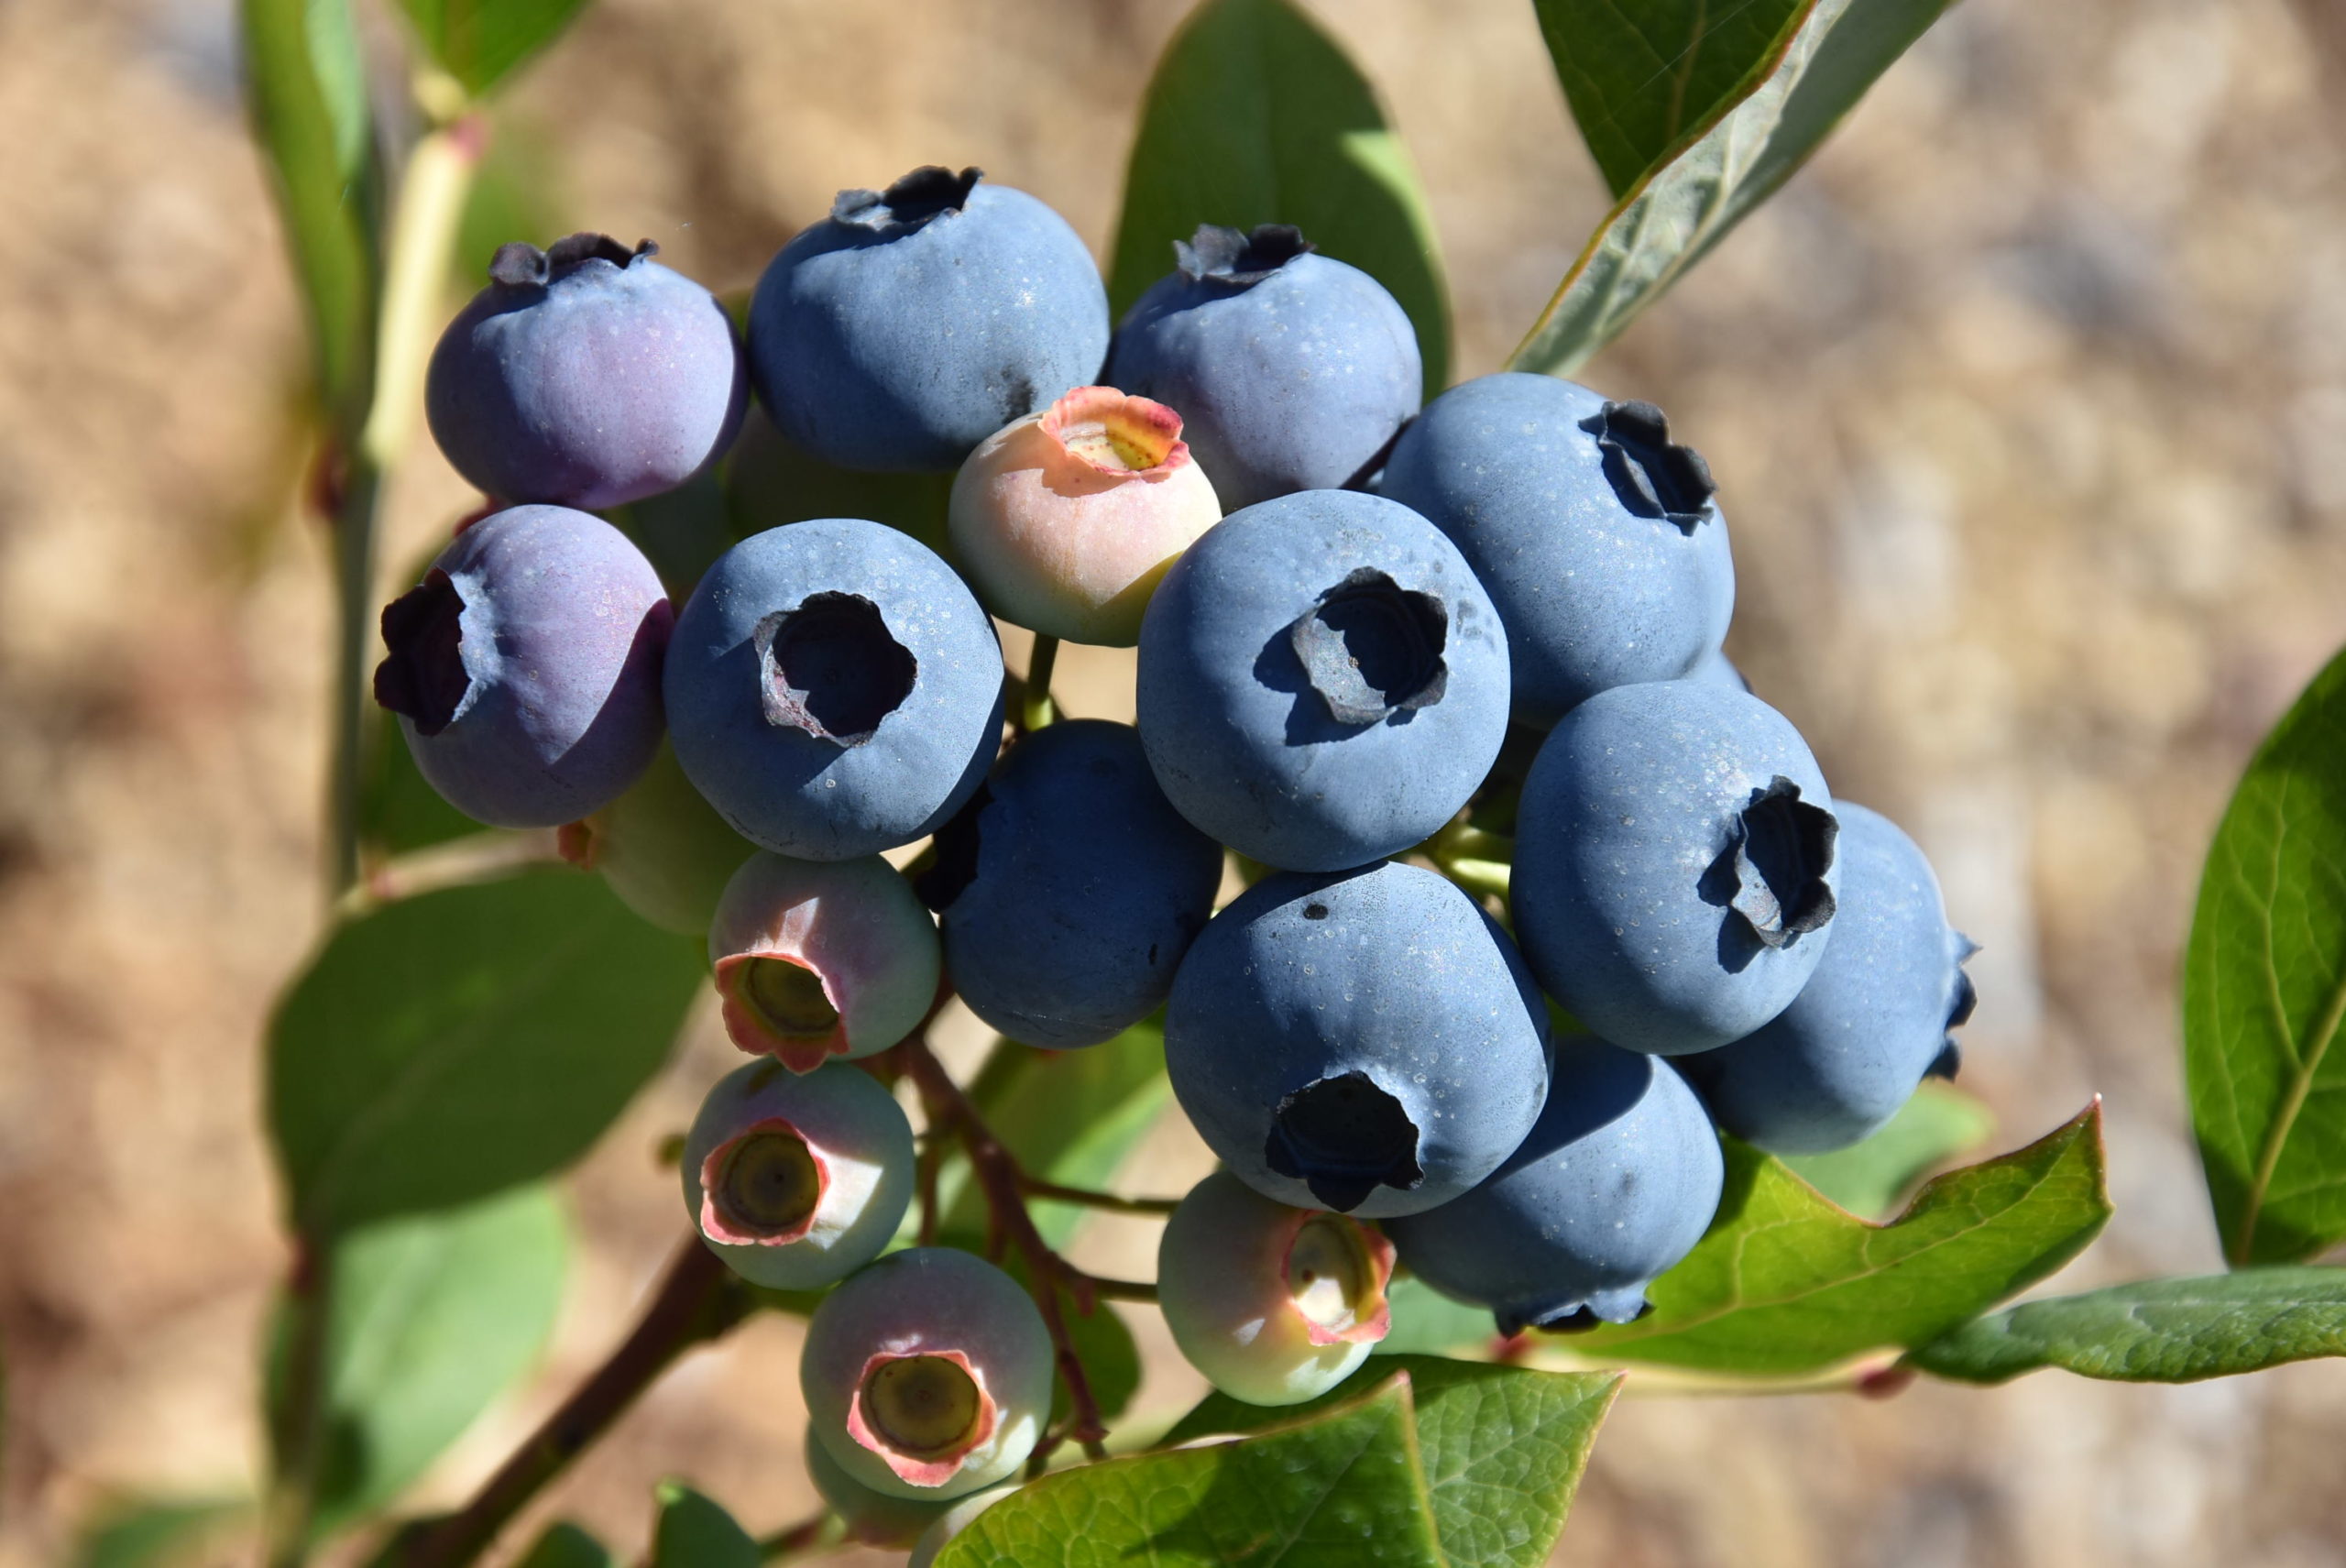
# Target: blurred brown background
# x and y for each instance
(2028, 398)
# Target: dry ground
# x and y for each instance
(2029, 400)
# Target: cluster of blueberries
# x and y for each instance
(1506, 608)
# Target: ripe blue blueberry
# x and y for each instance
(1366, 1041)
(834, 690)
(1596, 535)
(929, 1375)
(1069, 889)
(798, 1180)
(1674, 867)
(822, 958)
(1275, 1305)
(1291, 369)
(1871, 1022)
(1617, 1182)
(525, 669)
(587, 374)
(1322, 681)
(913, 323)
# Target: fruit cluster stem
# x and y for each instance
(1004, 1185)
(698, 1302)
(1036, 710)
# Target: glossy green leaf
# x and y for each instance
(693, 1532)
(1070, 1116)
(2156, 1331)
(1342, 1488)
(159, 1534)
(2265, 991)
(565, 1545)
(306, 88)
(479, 41)
(430, 1318)
(461, 1042)
(1786, 1283)
(1725, 163)
(1256, 116)
(1869, 1178)
(1427, 1322)
(1503, 1446)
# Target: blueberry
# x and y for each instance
(525, 669)
(927, 1374)
(1365, 1041)
(1674, 867)
(1596, 535)
(1617, 1182)
(660, 846)
(834, 690)
(822, 958)
(912, 324)
(1275, 1305)
(1716, 669)
(1292, 369)
(1871, 1022)
(796, 1181)
(1322, 681)
(872, 1518)
(957, 1518)
(1067, 520)
(587, 374)
(1069, 889)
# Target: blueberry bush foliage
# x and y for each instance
(477, 1015)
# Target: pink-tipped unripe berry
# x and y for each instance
(1065, 520)
(818, 959)
(1275, 1305)
(798, 1180)
(929, 1375)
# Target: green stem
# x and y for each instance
(1037, 709)
(429, 206)
(1489, 877)
(1091, 1199)
(804, 1538)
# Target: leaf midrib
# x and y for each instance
(2307, 1062)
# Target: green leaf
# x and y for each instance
(307, 92)
(1727, 162)
(1638, 77)
(1427, 1322)
(154, 1534)
(565, 1545)
(1070, 1116)
(1256, 117)
(693, 1532)
(1869, 1178)
(2156, 1331)
(478, 41)
(461, 1042)
(1503, 1446)
(1342, 1488)
(430, 1318)
(2265, 990)
(1785, 1283)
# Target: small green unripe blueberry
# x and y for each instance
(927, 1374)
(796, 1181)
(874, 1519)
(662, 848)
(817, 959)
(1065, 520)
(1275, 1305)
(953, 1521)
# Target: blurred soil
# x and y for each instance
(2028, 398)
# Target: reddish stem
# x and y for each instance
(1003, 1183)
